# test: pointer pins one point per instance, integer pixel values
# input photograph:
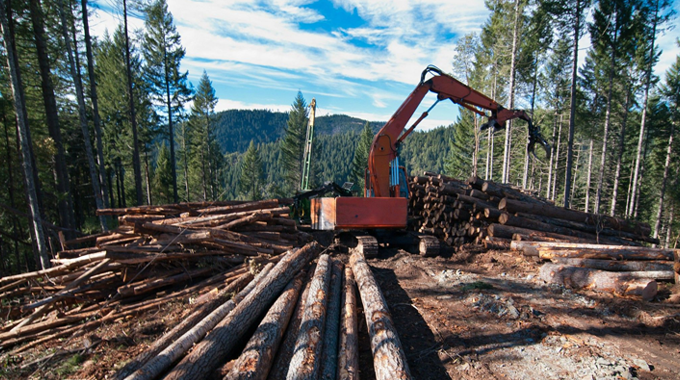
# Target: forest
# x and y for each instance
(95, 123)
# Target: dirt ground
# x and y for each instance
(464, 315)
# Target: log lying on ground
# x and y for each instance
(618, 283)
(551, 250)
(305, 364)
(209, 354)
(329, 356)
(256, 359)
(676, 265)
(389, 359)
(621, 266)
(348, 356)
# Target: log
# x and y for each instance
(658, 269)
(676, 265)
(188, 322)
(137, 289)
(499, 244)
(256, 359)
(618, 283)
(348, 356)
(507, 232)
(209, 354)
(532, 224)
(514, 206)
(329, 356)
(305, 364)
(257, 205)
(534, 237)
(161, 362)
(389, 359)
(279, 369)
(550, 250)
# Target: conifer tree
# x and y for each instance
(163, 53)
(292, 146)
(203, 135)
(162, 180)
(252, 174)
(459, 162)
(360, 160)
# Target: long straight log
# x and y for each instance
(279, 369)
(507, 232)
(657, 270)
(542, 238)
(514, 206)
(305, 363)
(256, 359)
(329, 356)
(257, 205)
(164, 359)
(516, 221)
(209, 354)
(619, 283)
(348, 356)
(389, 359)
(550, 250)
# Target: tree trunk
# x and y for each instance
(74, 69)
(209, 354)
(256, 359)
(95, 105)
(389, 359)
(171, 131)
(572, 110)
(605, 133)
(551, 250)
(329, 357)
(348, 356)
(22, 126)
(305, 363)
(511, 93)
(618, 265)
(10, 189)
(65, 205)
(648, 80)
(136, 166)
(659, 213)
(557, 160)
(622, 147)
(552, 158)
(621, 284)
(147, 176)
(590, 168)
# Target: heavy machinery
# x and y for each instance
(383, 206)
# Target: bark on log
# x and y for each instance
(676, 265)
(664, 269)
(550, 250)
(258, 205)
(161, 362)
(210, 354)
(348, 356)
(256, 359)
(282, 362)
(507, 232)
(619, 283)
(516, 221)
(514, 206)
(329, 356)
(389, 359)
(305, 363)
(188, 322)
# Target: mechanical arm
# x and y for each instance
(385, 144)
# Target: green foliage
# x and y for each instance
(162, 180)
(292, 146)
(459, 162)
(360, 160)
(251, 179)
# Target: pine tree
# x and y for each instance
(292, 146)
(162, 180)
(203, 135)
(360, 160)
(163, 53)
(252, 175)
(458, 164)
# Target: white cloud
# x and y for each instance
(228, 104)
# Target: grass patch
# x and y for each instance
(71, 365)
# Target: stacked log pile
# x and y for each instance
(492, 214)
(304, 325)
(156, 255)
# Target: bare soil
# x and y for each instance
(464, 315)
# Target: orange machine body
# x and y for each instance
(358, 213)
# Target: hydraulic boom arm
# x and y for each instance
(386, 142)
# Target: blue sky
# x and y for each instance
(356, 57)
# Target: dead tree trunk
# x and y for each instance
(389, 359)
(22, 126)
(329, 357)
(256, 359)
(348, 356)
(209, 354)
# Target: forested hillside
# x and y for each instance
(92, 123)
